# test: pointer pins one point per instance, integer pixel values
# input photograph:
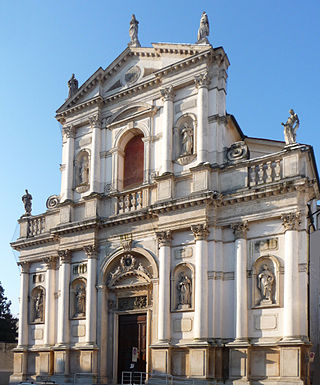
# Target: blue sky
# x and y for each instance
(273, 47)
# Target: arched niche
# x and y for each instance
(82, 171)
(266, 282)
(78, 294)
(37, 304)
(182, 288)
(185, 139)
(128, 276)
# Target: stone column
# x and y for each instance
(164, 239)
(103, 330)
(91, 299)
(241, 281)
(49, 318)
(200, 233)
(67, 193)
(95, 124)
(63, 335)
(24, 294)
(167, 94)
(291, 223)
(202, 83)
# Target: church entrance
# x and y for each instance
(132, 344)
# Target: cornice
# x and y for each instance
(97, 100)
(76, 227)
(24, 243)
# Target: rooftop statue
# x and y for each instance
(73, 86)
(26, 199)
(203, 31)
(290, 128)
(133, 32)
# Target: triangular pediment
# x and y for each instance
(133, 66)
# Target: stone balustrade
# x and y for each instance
(36, 226)
(132, 200)
(267, 171)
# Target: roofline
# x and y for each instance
(234, 121)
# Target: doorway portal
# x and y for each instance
(132, 334)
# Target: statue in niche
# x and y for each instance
(84, 170)
(26, 199)
(203, 31)
(186, 139)
(80, 301)
(290, 128)
(38, 307)
(265, 285)
(184, 292)
(133, 32)
(73, 86)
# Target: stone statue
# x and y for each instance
(84, 170)
(133, 32)
(38, 307)
(184, 292)
(265, 284)
(186, 140)
(26, 199)
(290, 128)
(73, 86)
(80, 303)
(203, 31)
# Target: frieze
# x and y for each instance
(184, 252)
(132, 303)
(266, 244)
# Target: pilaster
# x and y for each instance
(67, 182)
(24, 293)
(63, 335)
(49, 326)
(167, 94)
(95, 123)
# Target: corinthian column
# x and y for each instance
(200, 233)
(91, 299)
(23, 316)
(68, 155)
(164, 240)
(63, 337)
(241, 282)
(95, 124)
(166, 156)
(291, 223)
(202, 83)
(49, 326)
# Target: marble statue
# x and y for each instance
(84, 170)
(265, 284)
(26, 199)
(186, 140)
(38, 307)
(290, 128)
(203, 31)
(133, 32)
(73, 86)
(184, 291)
(80, 303)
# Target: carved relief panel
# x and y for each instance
(182, 288)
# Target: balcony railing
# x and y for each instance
(264, 172)
(36, 226)
(132, 200)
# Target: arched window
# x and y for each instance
(133, 162)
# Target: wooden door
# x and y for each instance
(132, 333)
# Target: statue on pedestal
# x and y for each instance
(133, 32)
(26, 199)
(265, 285)
(203, 31)
(73, 86)
(184, 292)
(290, 128)
(80, 305)
(186, 140)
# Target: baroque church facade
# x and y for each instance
(178, 246)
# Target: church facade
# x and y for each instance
(178, 246)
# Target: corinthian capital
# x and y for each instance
(51, 262)
(167, 93)
(164, 237)
(203, 80)
(65, 256)
(240, 230)
(200, 231)
(24, 266)
(69, 131)
(95, 121)
(291, 221)
(91, 251)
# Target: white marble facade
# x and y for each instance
(211, 244)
